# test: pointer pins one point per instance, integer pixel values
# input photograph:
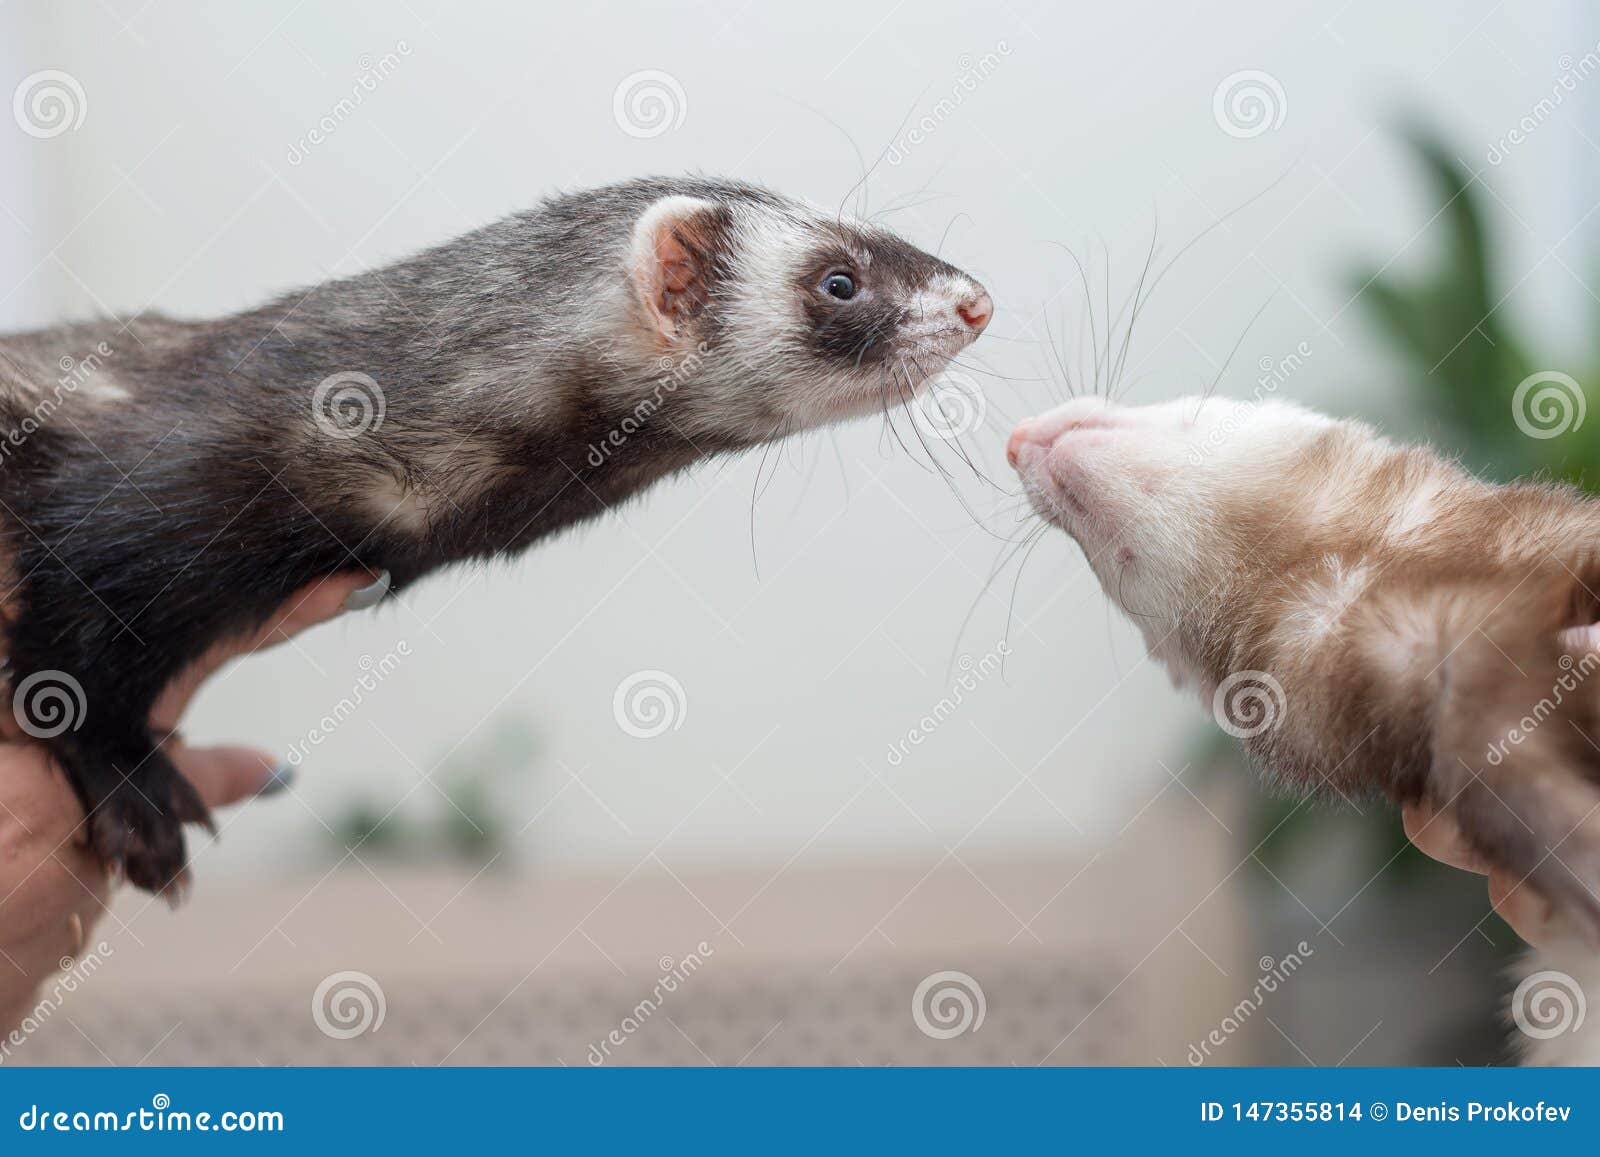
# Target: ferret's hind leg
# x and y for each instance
(136, 802)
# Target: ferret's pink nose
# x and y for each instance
(976, 311)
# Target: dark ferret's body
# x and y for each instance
(167, 484)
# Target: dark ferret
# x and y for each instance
(166, 484)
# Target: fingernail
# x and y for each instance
(280, 779)
(368, 596)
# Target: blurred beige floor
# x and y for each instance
(1121, 957)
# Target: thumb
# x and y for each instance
(227, 774)
(310, 605)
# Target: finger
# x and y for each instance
(226, 775)
(318, 602)
(59, 896)
(1529, 914)
(1437, 834)
(312, 604)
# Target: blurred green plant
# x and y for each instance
(462, 819)
(1462, 354)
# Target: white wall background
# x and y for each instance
(177, 193)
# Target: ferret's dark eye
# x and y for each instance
(840, 285)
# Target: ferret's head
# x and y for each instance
(784, 315)
(1172, 502)
(1367, 616)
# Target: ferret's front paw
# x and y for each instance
(137, 827)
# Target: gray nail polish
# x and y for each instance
(280, 779)
(368, 596)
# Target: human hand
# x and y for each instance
(1530, 915)
(53, 889)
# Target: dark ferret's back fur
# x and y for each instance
(166, 484)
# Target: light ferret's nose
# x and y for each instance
(976, 311)
(1044, 429)
(1020, 437)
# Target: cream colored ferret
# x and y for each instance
(1367, 616)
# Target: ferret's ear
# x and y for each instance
(1516, 743)
(677, 247)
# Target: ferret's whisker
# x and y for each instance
(1134, 309)
(1007, 552)
(1228, 361)
(1016, 583)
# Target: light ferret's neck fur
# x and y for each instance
(1366, 616)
